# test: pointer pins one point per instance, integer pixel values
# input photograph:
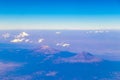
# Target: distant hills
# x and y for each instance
(47, 63)
(66, 56)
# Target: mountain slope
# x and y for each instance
(57, 56)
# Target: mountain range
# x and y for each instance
(63, 55)
(47, 63)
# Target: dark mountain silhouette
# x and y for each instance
(58, 56)
(47, 63)
(83, 57)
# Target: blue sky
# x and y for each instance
(59, 14)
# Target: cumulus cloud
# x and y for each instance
(98, 31)
(66, 45)
(52, 73)
(22, 35)
(63, 44)
(40, 40)
(17, 40)
(6, 35)
(21, 38)
(27, 40)
(58, 32)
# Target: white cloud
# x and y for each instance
(52, 73)
(58, 32)
(17, 40)
(63, 44)
(98, 31)
(21, 38)
(22, 35)
(40, 40)
(27, 40)
(6, 35)
(66, 45)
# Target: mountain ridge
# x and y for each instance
(66, 56)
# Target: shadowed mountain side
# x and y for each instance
(57, 56)
(81, 57)
(48, 63)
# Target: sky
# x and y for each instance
(59, 14)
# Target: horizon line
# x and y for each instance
(59, 29)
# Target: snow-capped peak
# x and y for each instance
(46, 50)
